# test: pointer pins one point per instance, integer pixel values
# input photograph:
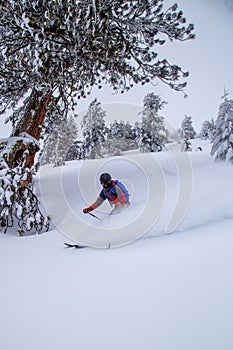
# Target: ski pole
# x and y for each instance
(94, 216)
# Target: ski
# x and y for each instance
(94, 216)
(77, 246)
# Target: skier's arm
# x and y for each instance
(94, 205)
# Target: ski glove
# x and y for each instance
(87, 210)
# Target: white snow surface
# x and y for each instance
(164, 291)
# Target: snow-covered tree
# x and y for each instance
(114, 140)
(74, 151)
(94, 131)
(222, 148)
(153, 133)
(67, 134)
(137, 129)
(175, 135)
(187, 128)
(59, 142)
(187, 133)
(53, 49)
(18, 200)
(212, 129)
(120, 137)
(48, 155)
(207, 130)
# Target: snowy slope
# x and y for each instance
(169, 191)
(165, 292)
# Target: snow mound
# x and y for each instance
(170, 191)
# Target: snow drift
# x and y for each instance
(170, 191)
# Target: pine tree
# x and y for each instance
(48, 155)
(153, 133)
(67, 134)
(212, 129)
(187, 128)
(114, 139)
(121, 137)
(74, 151)
(222, 148)
(187, 133)
(57, 48)
(137, 130)
(54, 50)
(59, 142)
(94, 131)
(204, 133)
(207, 130)
(175, 135)
(18, 200)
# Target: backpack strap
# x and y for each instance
(123, 188)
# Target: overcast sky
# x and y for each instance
(208, 58)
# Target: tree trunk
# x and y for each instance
(33, 118)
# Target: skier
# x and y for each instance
(113, 190)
